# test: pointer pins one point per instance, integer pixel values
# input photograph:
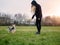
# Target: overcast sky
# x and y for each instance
(49, 7)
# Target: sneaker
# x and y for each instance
(37, 32)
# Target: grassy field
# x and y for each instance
(25, 35)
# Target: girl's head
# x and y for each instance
(33, 5)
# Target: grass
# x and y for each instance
(25, 35)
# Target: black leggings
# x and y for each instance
(38, 25)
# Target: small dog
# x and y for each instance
(12, 28)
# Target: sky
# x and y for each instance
(49, 7)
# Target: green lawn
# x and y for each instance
(25, 35)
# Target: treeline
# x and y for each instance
(51, 21)
(19, 19)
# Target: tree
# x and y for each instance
(18, 18)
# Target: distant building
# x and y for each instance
(5, 20)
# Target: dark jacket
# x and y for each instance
(38, 11)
